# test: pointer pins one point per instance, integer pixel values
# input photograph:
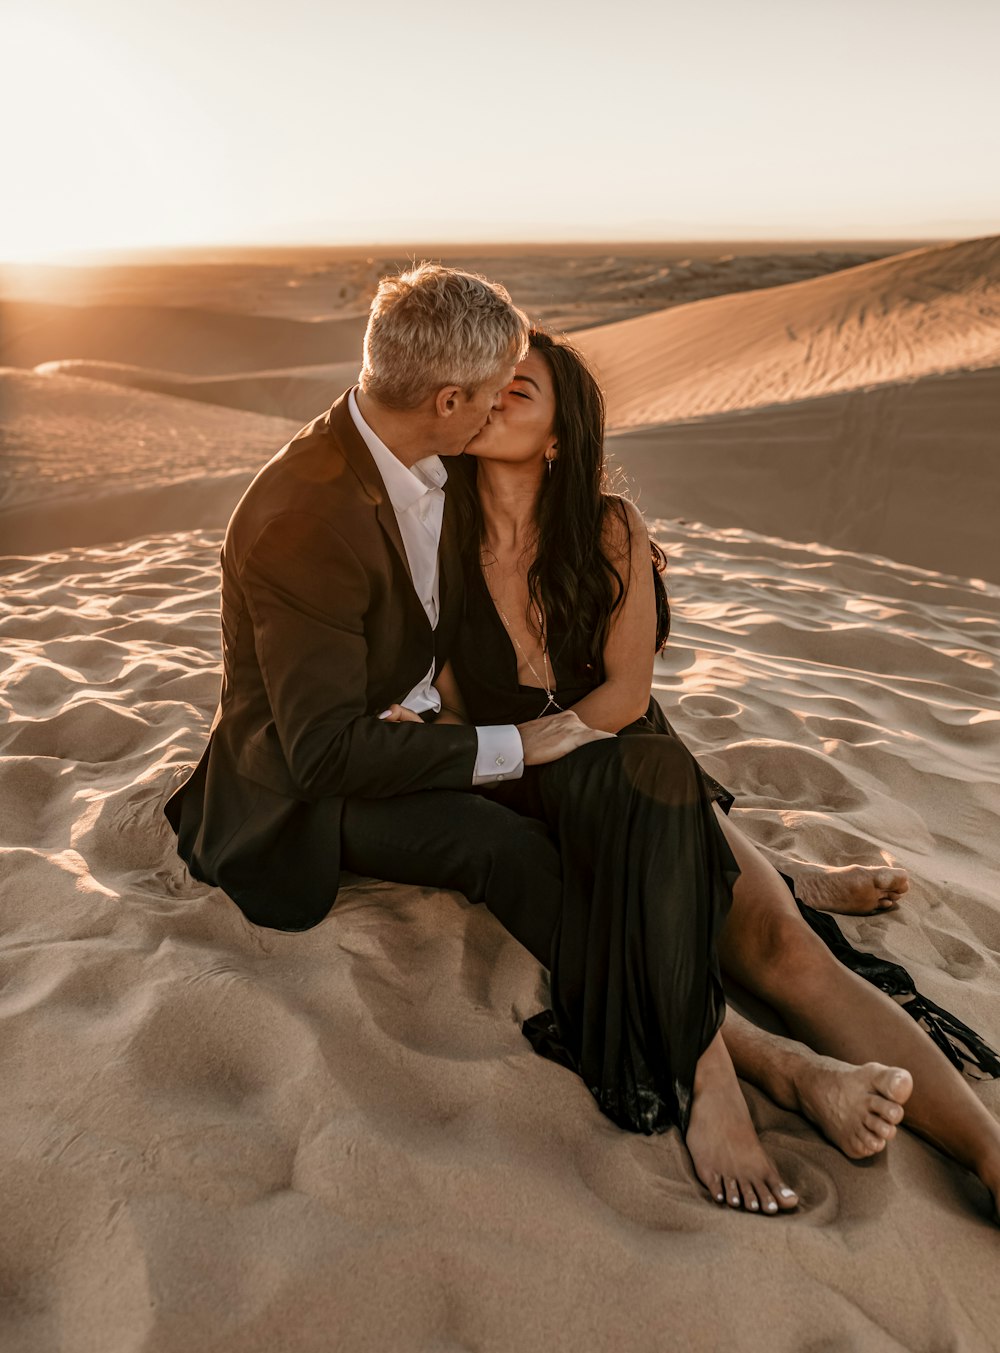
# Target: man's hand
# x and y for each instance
(550, 738)
(399, 714)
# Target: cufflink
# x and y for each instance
(501, 761)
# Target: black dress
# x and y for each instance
(647, 886)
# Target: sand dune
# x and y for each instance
(212, 1127)
(567, 286)
(908, 469)
(297, 392)
(916, 314)
(86, 461)
(192, 341)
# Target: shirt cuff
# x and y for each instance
(501, 754)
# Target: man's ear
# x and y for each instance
(446, 400)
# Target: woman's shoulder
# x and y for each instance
(623, 526)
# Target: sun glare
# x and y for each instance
(107, 151)
(134, 126)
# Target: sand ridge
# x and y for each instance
(915, 314)
(907, 468)
(87, 461)
(296, 392)
(217, 1136)
(845, 407)
(251, 1130)
(191, 340)
(566, 286)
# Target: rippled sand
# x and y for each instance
(341, 1138)
(218, 1137)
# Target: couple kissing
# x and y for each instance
(439, 627)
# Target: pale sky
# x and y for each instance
(136, 123)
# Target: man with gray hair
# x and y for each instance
(341, 589)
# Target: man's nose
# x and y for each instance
(498, 399)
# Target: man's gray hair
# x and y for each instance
(435, 326)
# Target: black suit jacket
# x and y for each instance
(321, 630)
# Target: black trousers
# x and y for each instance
(443, 838)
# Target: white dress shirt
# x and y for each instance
(417, 497)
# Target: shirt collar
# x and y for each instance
(405, 486)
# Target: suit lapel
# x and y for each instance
(451, 580)
(360, 460)
(451, 563)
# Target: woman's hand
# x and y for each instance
(399, 714)
(556, 735)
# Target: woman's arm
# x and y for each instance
(452, 705)
(623, 695)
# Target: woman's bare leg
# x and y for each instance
(768, 948)
(858, 1108)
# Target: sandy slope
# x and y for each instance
(916, 314)
(567, 286)
(192, 340)
(910, 468)
(821, 405)
(85, 461)
(298, 392)
(221, 1137)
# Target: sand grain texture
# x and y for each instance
(222, 1137)
(217, 1137)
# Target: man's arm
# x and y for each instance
(540, 740)
(307, 593)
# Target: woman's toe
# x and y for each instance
(733, 1193)
(715, 1187)
(787, 1199)
(750, 1198)
(768, 1203)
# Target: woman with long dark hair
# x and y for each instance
(565, 610)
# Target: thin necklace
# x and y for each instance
(546, 683)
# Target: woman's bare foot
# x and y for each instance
(850, 889)
(723, 1144)
(858, 1108)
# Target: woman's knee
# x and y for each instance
(656, 765)
(772, 950)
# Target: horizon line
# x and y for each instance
(161, 252)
